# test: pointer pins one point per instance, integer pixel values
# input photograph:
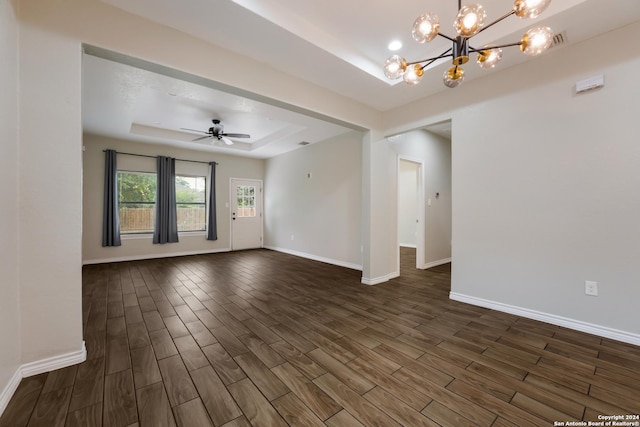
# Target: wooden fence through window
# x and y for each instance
(140, 220)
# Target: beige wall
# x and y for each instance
(571, 172)
(51, 37)
(50, 182)
(435, 154)
(9, 289)
(322, 213)
(545, 186)
(141, 247)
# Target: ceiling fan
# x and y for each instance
(217, 131)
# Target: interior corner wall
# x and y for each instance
(50, 179)
(313, 201)
(380, 251)
(141, 246)
(10, 358)
(545, 185)
(435, 153)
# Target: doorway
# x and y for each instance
(246, 213)
(410, 211)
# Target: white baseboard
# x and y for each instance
(39, 367)
(8, 391)
(435, 263)
(381, 279)
(316, 258)
(590, 328)
(153, 256)
(55, 362)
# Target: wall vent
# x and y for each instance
(559, 39)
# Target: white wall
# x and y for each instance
(50, 166)
(322, 213)
(141, 247)
(50, 180)
(545, 186)
(600, 245)
(435, 153)
(9, 289)
(408, 203)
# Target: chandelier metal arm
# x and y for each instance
(447, 37)
(430, 61)
(502, 18)
(473, 49)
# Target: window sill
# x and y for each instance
(143, 236)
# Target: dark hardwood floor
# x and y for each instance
(267, 339)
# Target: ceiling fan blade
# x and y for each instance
(236, 135)
(202, 137)
(226, 140)
(195, 130)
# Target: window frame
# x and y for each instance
(204, 203)
(133, 234)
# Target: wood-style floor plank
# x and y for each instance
(24, 399)
(145, 367)
(255, 406)
(362, 409)
(309, 393)
(51, 409)
(89, 416)
(215, 396)
(177, 381)
(192, 414)
(154, 407)
(295, 413)
(89, 384)
(119, 399)
(261, 338)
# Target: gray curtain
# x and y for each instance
(212, 225)
(110, 220)
(166, 228)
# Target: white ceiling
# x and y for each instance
(126, 102)
(340, 45)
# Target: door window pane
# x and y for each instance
(246, 197)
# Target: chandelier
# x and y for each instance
(469, 22)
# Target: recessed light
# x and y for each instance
(172, 94)
(395, 45)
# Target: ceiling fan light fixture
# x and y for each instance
(226, 140)
(530, 8)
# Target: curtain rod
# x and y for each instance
(154, 157)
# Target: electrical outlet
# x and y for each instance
(591, 288)
(293, 237)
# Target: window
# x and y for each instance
(136, 201)
(246, 195)
(191, 203)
